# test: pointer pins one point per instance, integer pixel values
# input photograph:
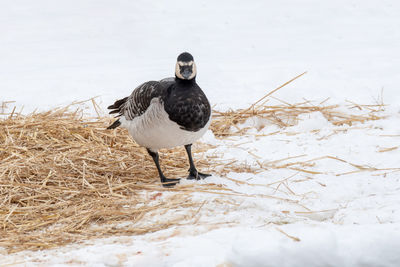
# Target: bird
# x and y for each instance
(165, 114)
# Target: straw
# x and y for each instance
(64, 178)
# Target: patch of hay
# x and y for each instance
(62, 173)
(286, 114)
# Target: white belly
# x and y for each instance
(155, 130)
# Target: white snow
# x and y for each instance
(56, 52)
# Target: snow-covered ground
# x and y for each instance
(344, 212)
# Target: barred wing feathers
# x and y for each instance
(137, 103)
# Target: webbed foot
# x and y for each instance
(193, 176)
(169, 182)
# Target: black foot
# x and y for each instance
(193, 176)
(166, 182)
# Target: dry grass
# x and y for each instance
(60, 173)
(287, 114)
(65, 178)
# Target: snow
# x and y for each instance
(56, 52)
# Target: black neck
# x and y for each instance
(179, 80)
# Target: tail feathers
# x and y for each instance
(116, 107)
(114, 125)
(114, 111)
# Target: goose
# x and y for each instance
(165, 114)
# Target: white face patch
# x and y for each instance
(178, 72)
(181, 64)
(194, 73)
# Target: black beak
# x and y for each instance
(186, 71)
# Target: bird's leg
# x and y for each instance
(164, 180)
(193, 173)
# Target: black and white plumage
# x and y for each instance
(167, 113)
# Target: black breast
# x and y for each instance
(187, 105)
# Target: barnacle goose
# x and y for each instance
(167, 113)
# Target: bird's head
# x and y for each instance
(185, 67)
